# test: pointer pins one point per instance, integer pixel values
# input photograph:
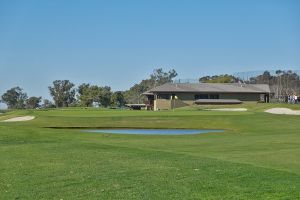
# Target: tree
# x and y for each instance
(282, 83)
(33, 102)
(223, 78)
(105, 96)
(90, 94)
(85, 95)
(47, 104)
(265, 78)
(63, 93)
(14, 98)
(117, 99)
(157, 78)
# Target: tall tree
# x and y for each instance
(281, 84)
(117, 99)
(265, 78)
(63, 93)
(85, 95)
(14, 98)
(157, 78)
(90, 94)
(33, 102)
(105, 96)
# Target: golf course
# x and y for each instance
(52, 157)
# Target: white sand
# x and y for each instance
(20, 119)
(283, 111)
(228, 109)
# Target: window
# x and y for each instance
(201, 96)
(206, 96)
(214, 96)
(163, 96)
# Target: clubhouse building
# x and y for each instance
(175, 95)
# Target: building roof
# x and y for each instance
(147, 93)
(212, 87)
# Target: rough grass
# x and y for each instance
(256, 158)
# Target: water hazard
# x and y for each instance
(155, 131)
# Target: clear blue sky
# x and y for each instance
(119, 43)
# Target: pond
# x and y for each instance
(154, 131)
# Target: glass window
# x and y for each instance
(214, 96)
(206, 96)
(201, 96)
(163, 96)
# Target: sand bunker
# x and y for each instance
(283, 111)
(20, 119)
(228, 109)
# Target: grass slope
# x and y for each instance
(256, 158)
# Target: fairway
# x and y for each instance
(49, 157)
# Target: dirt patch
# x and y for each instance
(283, 111)
(20, 119)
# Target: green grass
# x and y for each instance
(257, 157)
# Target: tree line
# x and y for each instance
(65, 94)
(282, 83)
